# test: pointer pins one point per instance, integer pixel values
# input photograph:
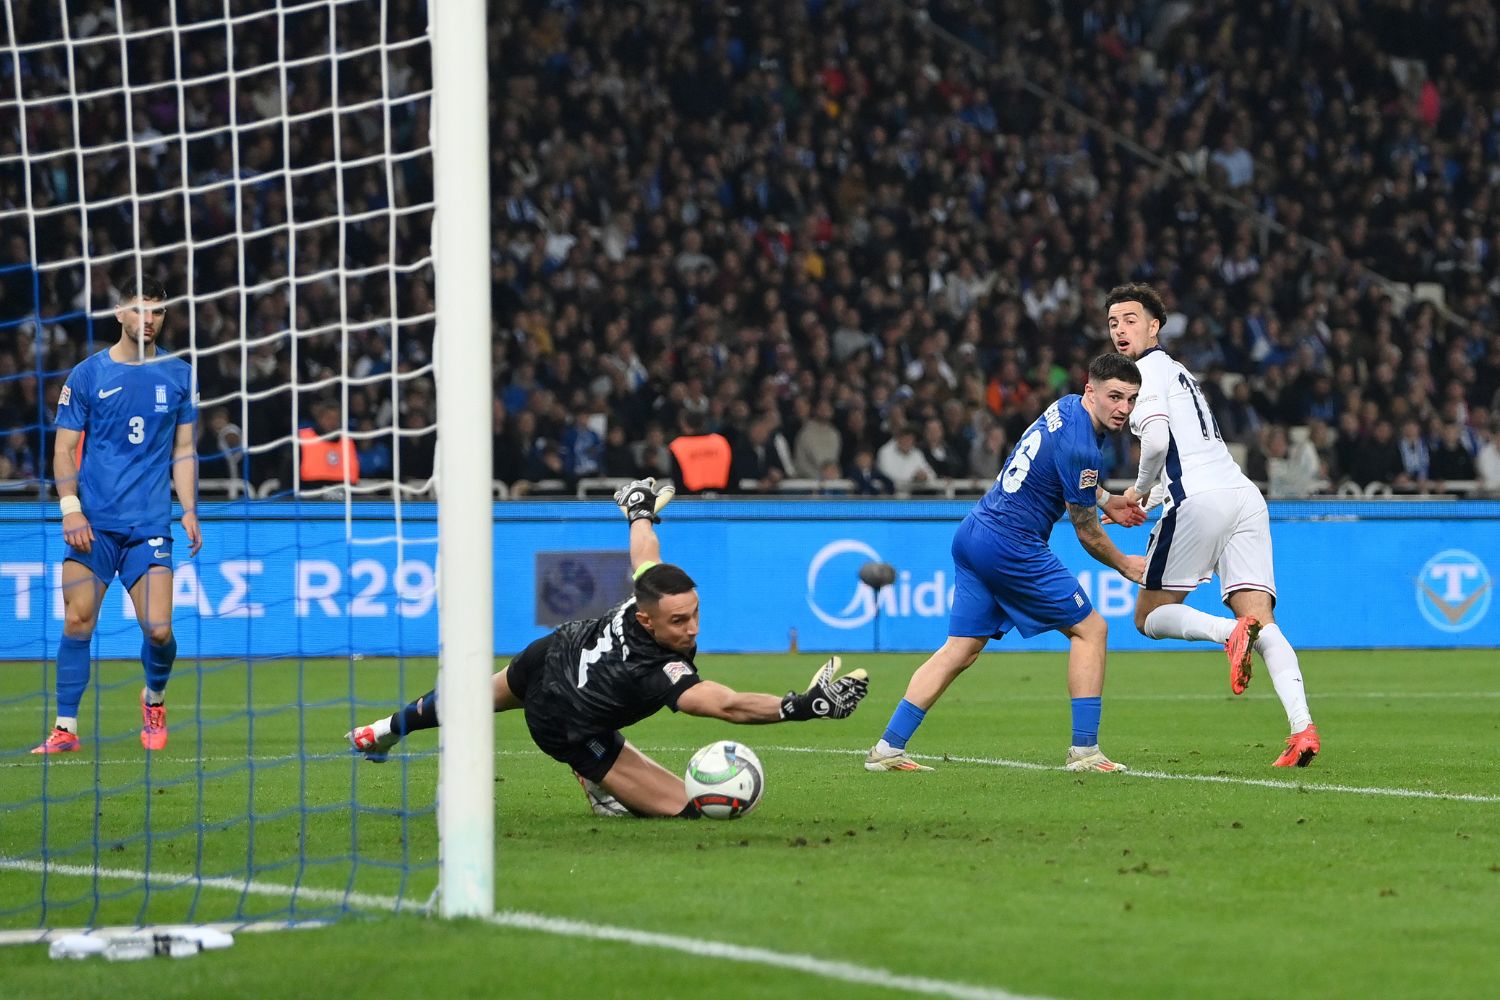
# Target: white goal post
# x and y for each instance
(461, 250)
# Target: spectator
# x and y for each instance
(988, 454)
(902, 462)
(1415, 460)
(756, 459)
(1377, 460)
(1291, 469)
(619, 460)
(20, 461)
(868, 480)
(376, 460)
(1487, 465)
(582, 448)
(651, 456)
(818, 443)
(945, 462)
(1449, 459)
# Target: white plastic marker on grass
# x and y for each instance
(129, 945)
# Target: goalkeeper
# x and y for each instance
(583, 683)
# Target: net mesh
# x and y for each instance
(270, 165)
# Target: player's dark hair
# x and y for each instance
(661, 580)
(144, 288)
(1137, 292)
(1113, 365)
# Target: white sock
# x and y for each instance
(1178, 621)
(69, 723)
(155, 697)
(382, 727)
(1286, 675)
(884, 749)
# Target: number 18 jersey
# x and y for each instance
(129, 414)
(1197, 460)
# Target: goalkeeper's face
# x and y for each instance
(672, 620)
(141, 321)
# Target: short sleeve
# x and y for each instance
(73, 401)
(676, 677)
(187, 410)
(1078, 471)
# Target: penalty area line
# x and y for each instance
(812, 965)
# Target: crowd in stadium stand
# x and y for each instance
(861, 245)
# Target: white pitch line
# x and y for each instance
(848, 972)
(1215, 779)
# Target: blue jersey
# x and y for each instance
(1056, 463)
(129, 414)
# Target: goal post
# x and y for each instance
(461, 250)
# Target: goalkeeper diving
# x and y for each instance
(587, 680)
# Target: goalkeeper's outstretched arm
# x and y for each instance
(641, 502)
(829, 696)
(645, 547)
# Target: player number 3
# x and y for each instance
(1020, 463)
(137, 430)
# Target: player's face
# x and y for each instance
(1132, 329)
(673, 621)
(141, 320)
(1112, 402)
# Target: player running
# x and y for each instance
(1214, 519)
(581, 684)
(136, 410)
(1006, 577)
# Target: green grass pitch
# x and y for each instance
(1206, 873)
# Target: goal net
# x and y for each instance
(273, 167)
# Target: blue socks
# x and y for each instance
(904, 722)
(420, 714)
(1086, 712)
(158, 662)
(72, 675)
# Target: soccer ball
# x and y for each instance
(725, 780)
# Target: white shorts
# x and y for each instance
(1223, 531)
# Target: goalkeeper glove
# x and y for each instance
(643, 498)
(828, 696)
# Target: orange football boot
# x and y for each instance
(1301, 748)
(1239, 650)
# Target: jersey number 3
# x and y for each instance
(1020, 463)
(137, 430)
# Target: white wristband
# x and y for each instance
(1108, 496)
(69, 505)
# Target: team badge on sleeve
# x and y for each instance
(66, 396)
(677, 670)
(1087, 478)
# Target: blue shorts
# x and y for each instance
(127, 553)
(1002, 583)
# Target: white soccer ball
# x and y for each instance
(725, 780)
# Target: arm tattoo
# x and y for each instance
(1091, 534)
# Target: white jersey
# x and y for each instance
(1197, 461)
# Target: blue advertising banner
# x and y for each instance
(289, 580)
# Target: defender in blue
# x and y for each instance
(125, 438)
(1006, 576)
